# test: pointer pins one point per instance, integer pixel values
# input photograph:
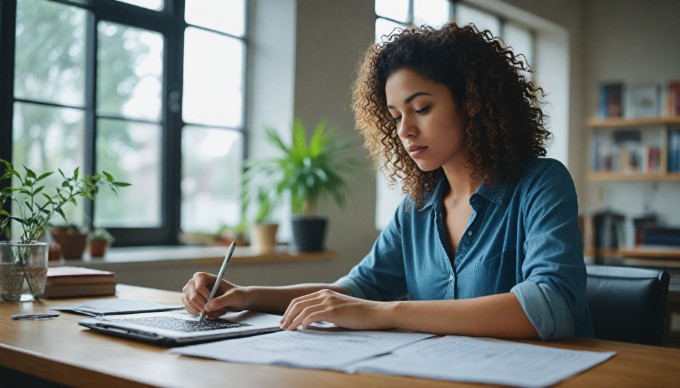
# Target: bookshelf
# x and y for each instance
(632, 149)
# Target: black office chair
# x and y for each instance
(627, 303)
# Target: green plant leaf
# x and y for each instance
(43, 176)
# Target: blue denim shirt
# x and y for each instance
(522, 237)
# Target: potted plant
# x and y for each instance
(263, 232)
(99, 240)
(71, 239)
(23, 261)
(257, 189)
(308, 171)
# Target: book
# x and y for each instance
(609, 231)
(78, 281)
(644, 100)
(68, 290)
(78, 275)
(611, 100)
(662, 236)
(673, 98)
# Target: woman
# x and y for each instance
(487, 241)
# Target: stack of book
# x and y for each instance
(640, 99)
(78, 281)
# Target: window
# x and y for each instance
(391, 14)
(149, 90)
(213, 110)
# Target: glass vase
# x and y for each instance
(23, 271)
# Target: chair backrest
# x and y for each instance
(627, 303)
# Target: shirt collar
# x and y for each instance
(491, 193)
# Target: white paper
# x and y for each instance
(319, 349)
(115, 306)
(483, 360)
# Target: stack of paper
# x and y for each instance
(78, 281)
(454, 358)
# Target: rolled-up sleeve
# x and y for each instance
(553, 292)
(546, 310)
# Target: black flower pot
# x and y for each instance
(309, 233)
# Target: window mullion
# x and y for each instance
(7, 42)
(172, 123)
(90, 139)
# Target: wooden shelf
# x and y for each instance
(639, 122)
(614, 176)
(651, 252)
(640, 125)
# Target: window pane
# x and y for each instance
(48, 139)
(393, 9)
(213, 79)
(520, 40)
(483, 20)
(156, 5)
(384, 27)
(224, 15)
(129, 72)
(433, 13)
(50, 57)
(211, 181)
(131, 152)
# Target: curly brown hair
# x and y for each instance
(505, 124)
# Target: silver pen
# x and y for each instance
(35, 316)
(220, 275)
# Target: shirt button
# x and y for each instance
(469, 233)
(451, 277)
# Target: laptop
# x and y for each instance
(172, 328)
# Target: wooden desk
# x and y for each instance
(61, 351)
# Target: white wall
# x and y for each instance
(632, 41)
(306, 52)
(331, 39)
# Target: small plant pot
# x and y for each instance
(309, 233)
(98, 248)
(54, 252)
(263, 238)
(72, 243)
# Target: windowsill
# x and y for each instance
(131, 257)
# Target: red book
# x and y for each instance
(674, 98)
(78, 275)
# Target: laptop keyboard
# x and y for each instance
(188, 326)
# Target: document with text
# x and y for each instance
(318, 349)
(452, 358)
(484, 360)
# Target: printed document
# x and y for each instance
(484, 360)
(318, 349)
(451, 358)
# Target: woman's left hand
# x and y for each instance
(334, 307)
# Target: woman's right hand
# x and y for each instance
(229, 297)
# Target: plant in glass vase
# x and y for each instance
(23, 261)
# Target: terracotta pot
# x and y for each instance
(98, 248)
(54, 252)
(72, 242)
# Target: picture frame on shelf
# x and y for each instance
(644, 100)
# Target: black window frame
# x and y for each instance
(170, 23)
